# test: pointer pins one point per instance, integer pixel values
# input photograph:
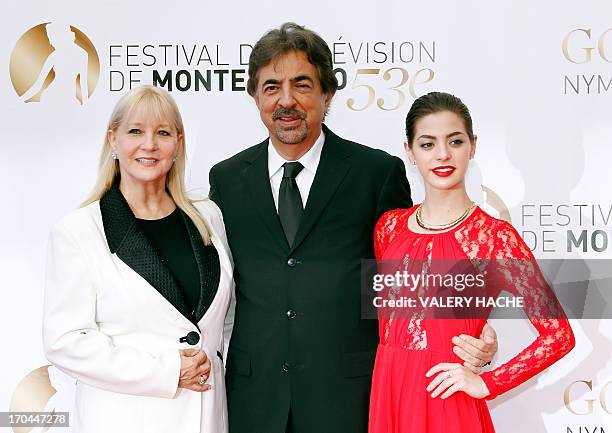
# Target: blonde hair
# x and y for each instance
(160, 104)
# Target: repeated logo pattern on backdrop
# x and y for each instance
(540, 136)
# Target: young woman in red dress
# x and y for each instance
(419, 384)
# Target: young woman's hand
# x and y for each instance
(453, 377)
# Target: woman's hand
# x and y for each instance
(195, 369)
(453, 377)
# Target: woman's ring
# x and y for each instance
(202, 380)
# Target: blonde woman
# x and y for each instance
(138, 285)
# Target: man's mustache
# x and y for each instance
(281, 112)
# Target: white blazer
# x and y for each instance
(108, 327)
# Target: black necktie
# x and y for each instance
(290, 207)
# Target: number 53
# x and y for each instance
(427, 73)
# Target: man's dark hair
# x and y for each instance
(292, 37)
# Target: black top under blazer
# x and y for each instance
(299, 342)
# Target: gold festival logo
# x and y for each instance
(54, 61)
(33, 394)
(496, 202)
(588, 384)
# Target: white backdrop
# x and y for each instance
(534, 75)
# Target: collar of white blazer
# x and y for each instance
(127, 240)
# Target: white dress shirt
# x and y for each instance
(310, 161)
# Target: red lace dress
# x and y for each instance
(411, 345)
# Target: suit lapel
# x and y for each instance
(130, 244)
(209, 267)
(259, 194)
(333, 167)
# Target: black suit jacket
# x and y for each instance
(299, 342)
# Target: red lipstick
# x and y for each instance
(444, 170)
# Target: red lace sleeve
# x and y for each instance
(521, 276)
(387, 227)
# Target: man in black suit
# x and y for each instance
(300, 210)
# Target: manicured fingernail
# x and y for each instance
(455, 340)
(463, 337)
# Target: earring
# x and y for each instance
(174, 159)
(114, 155)
(413, 162)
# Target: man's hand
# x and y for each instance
(476, 352)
